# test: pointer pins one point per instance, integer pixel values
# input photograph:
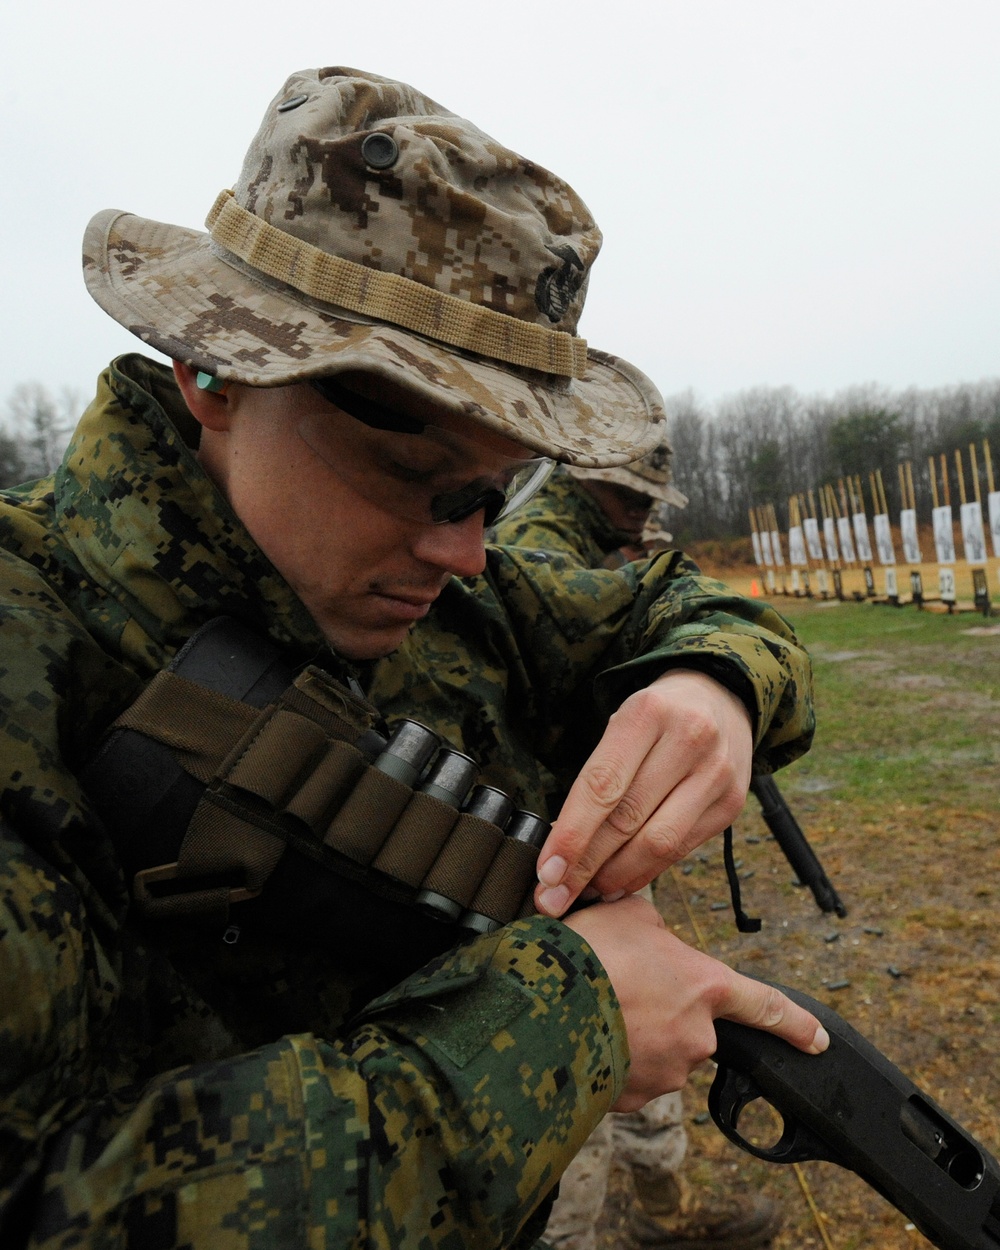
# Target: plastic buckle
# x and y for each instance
(202, 894)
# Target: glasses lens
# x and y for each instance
(432, 478)
(524, 485)
(496, 499)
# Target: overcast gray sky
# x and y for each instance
(790, 191)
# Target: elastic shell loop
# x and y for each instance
(510, 877)
(464, 859)
(368, 814)
(416, 841)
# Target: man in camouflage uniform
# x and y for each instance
(600, 517)
(372, 348)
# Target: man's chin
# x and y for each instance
(364, 644)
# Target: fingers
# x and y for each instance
(671, 994)
(764, 1007)
(689, 815)
(607, 804)
(622, 858)
(671, 770)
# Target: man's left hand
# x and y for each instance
(671, 770)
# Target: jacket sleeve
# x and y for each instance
(627, 626)
(441, 1117)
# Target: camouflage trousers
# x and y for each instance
(652, 1139)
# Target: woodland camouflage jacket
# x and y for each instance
(564, 517)
(163, 1088)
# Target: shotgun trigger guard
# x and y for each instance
(732, 1092)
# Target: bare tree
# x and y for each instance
(765, 443)
(695, 468)
(34, 431)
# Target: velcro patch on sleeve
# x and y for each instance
(469, 1022)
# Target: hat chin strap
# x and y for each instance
(390, 297)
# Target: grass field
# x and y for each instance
(899, 798)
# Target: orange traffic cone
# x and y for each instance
(754, 589)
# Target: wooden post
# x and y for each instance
(961, 477)
(975, 473)
(881, 491)
(945, 484)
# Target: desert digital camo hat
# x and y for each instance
(649, 476)
(372, 231)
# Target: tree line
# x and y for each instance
(764, 444)
(757, 446)
(35, 426)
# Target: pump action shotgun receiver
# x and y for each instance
(853, 1107)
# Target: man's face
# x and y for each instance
(626, 509)
(331, 502)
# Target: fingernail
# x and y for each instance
(614, 897)
(820, 1041)
(555, 901)
(552, 871)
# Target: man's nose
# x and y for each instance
(456, 546)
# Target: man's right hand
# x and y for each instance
(671, 994)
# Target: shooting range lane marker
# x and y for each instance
(800, 1175)
(844, 548)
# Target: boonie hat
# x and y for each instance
(649, 476)
(373, 231)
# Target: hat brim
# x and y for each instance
(172, 288)
(663, 492)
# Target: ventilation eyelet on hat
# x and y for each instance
(286, 106)
(380, 150)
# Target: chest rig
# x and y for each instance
(239, 790)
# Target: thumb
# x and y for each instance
(765, 1007)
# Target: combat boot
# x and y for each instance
(666, 1214)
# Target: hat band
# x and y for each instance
(390, 297)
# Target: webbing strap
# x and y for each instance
(745, 923)
(290, 774)
(267, 755)
(319, 696)
(201, 726)
(218, 846)
(197, 724)
(391, 297)
(219, 841)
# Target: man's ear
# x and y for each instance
(209, 408)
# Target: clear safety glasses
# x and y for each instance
(414, 469)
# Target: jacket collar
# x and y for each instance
(151, 528)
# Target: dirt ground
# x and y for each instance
(915, 964)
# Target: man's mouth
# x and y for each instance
(405, 604)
